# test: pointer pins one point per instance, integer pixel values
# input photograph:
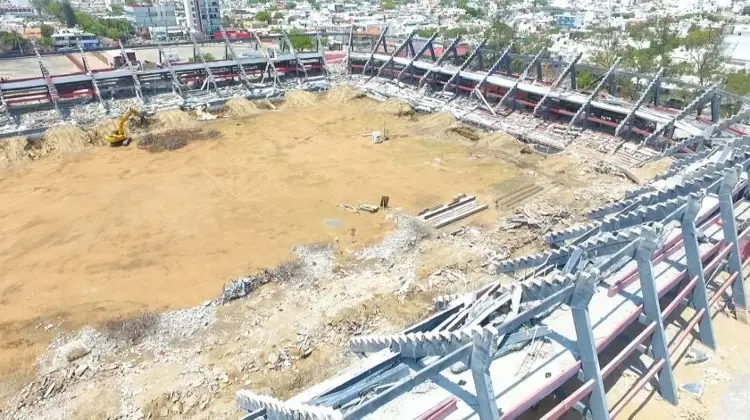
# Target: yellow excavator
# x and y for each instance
(119, 138)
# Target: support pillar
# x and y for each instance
(695, 269)
(573, 78)
(586, 342)
(715, 108)
(651, 308)
(481, 357)
(729, 226)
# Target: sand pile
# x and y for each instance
(502, 142)
(12, 151)
(298, 99)
(240, 107)
(172, 118)
(652, 169)
(56, 141)
(342, 94)
(438, 120)
(395, 107)
(65, 139)
(103, 129)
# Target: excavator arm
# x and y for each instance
(119, 137)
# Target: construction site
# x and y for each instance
(407, 229)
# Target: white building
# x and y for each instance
(203, 16)
(68, 39)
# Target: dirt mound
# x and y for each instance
(343, 93)
(240, 107)
(298, 99)
(396, 107)
(652, 169)
(65, 139)
(438, 120)
(101, 130)
(56, 141)
(172, 118)
(500, 142)
(12, 150)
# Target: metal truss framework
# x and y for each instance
(133, 74)
(243, 74)
(624, 125)
(477, 328)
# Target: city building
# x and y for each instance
(203, 16)
(567, 21)
(69, 38)
(20, 11)
(146, 15)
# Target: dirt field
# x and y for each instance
(108, 231)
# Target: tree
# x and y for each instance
(499, 35)
(746, 11)
(705, 51)
(585, 80)
(532, 44)
(45, 43)
(13, 42)
(291, 5)
(278, 16)
(263, 16)
(426, 32)
(117, 9)
(656, 39)
(301, 42)
(640, 60)
(70, 15)
(387, 4)
(46, 30)
(738, 83)
(206, 57)
(608, 45)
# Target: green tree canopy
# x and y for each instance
(387, 4)
(117, 9)
(738, 83)
(13, 42)
(206, 57)
(705, 51)
(46, 30)
(301, 42)
(263, 16)
(608, 45)
(426, 32)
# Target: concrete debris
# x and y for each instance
(695, 389)
(315, 262)
(279, 360)
(409, 233)
(535, 218)
(81, 369)
(240, 288)
(74, 350)
(459, 208)
(695, 356)
(355, 208)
